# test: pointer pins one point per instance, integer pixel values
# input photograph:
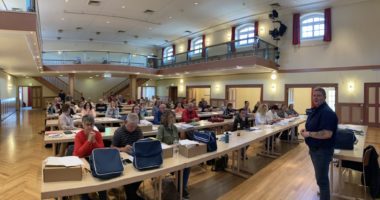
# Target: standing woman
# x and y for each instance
(168, 133)
(88, 110)
(321, 126)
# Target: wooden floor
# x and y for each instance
(289, 177)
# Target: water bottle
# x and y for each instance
(226, 137)
(175, 148)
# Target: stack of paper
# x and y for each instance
(184, 126)
(188, 143)
(67, 161)
(145, 122)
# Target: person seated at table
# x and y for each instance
(256, 107)
(85, 141)
(113, 110)
(157, 116)
(229, 110)
(291, 111)
(136, 109)
(51, 109)
(241, 121)
(272, 116)
(143, 110)
(189, 114)
(203, 105)
(88, 110)
(101, 106)
(65, 122)
(82, 102)
(282, 111)
(156, 107)
(123, 140)
(261, 115)
(246, 107)
(179, 108)
(168, 134)
(57, 104)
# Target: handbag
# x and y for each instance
(345, 139)
(106, 163)
(207, 137)
(147, 154)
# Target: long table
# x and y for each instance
(178, 163)
(53, 123)
(355, 155)
(200, 115)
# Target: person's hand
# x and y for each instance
(91, 137)
(305, 133)
(128, 148)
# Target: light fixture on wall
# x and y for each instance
(181, 80)
(274, 75)
(351, 86)
(273, 87)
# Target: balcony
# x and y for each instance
(17, 5)
(250, 51)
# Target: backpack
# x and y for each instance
(106, 163)
(147, 154)
(207, 137)
(345, 139)
(220, 164)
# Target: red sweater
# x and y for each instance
(82, 147)
(188, 116)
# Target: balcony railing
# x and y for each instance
(18, 5)
(238, 48)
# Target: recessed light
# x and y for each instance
(177, 74)
(97, 75)
(66, 1)
(186, 72)
(108, 22)
(150, 28)
(63, 19)
(123, 6)
(239, 67)
(137, 72)
(90, 77)
(60, 75)
(59, 52)
(170, 17)
(196, 3)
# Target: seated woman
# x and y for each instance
(179, 108)
(65, 122)
(143, 111)
(136, 109)
(123, 140)
(282, 111)
(112, 110)
(291, 111)
(261, 115)
(51, 109)
(168, 133)
(88, 110)
(229, 110)
(85, 141)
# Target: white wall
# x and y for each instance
(218, 83)
(8, 86)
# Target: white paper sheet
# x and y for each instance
(67, 161)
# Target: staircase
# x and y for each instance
(56, 84)
(123, 88)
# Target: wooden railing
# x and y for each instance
(117, 88)
(62, 85)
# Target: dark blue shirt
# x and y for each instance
(157, 118)
(321, 118)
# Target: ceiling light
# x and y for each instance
(196, 3)
(137, 72)
(186, 72)
(90, 77)
(239, 67)
(123, 6)
(66, 1)
(170, 17)
(177, 74)
(274, 75)
(108, 22)
(97, 75)
(150, 28)
(63, 19)
(59, 52)
(60, 75)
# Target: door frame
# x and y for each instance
(175, 99)
(188, 87)
(365, 103)
(261, 86)
(18, 97)
(313, 85)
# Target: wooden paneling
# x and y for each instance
(269, 103)
(350, 113)
(372, 104)
(217, 102)
(7, 107)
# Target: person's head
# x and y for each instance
(284, 107)
(142, 104)
(136, 109)
(258, 103)
(66, 109)
(263, 109)
(87, 106)
(132, 121)
(60, 91)
(168, 118)
(82, 99)
(246, 104)
(319, 96)
(291, 106)
(229, 105)
(242, 113)
(190, 107)
(162, 108)
(101, 101)
(113, 104)
(274, 108)
(179, 105)
(88, 122)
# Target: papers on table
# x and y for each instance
(145, 122)
(184, 126)
(254, 128)
(165, 146)
(188, 143)
(67, 161)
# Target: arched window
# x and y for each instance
(245, 33)
(312, 26)
(196, 45)
(168, 54)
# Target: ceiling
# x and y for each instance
(16, 55)
(170, 20)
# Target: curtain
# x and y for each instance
(203, 45)
(327, 36)
(256, 28)
(173, 46)
(233, 30)
(296, 29)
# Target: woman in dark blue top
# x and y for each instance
(321, 126)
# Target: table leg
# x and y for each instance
(180, 183)
(159, 187)
(54, 147)
(332, 177)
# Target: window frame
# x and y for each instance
(238, 34)
(196, 42)
(167, 57)
(309, 16)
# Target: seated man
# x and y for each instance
(157, 116)
(241, 121)
(101, 106)
(123, 140)
(189, 114)
(272, 116)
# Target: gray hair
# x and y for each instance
(321, 90)
(133, 118)
(88, 119)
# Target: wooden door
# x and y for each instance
(372, 104)
(173, 93)
(36, 97)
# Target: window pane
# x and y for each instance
(243, 42)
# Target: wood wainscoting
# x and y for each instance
(7, 107)
(270, 103)
(217, 102)
(350, 113)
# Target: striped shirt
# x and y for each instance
(123, 137)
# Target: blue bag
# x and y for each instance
(147, 154)
(345, 139)
(106, 163)
(207, 137)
